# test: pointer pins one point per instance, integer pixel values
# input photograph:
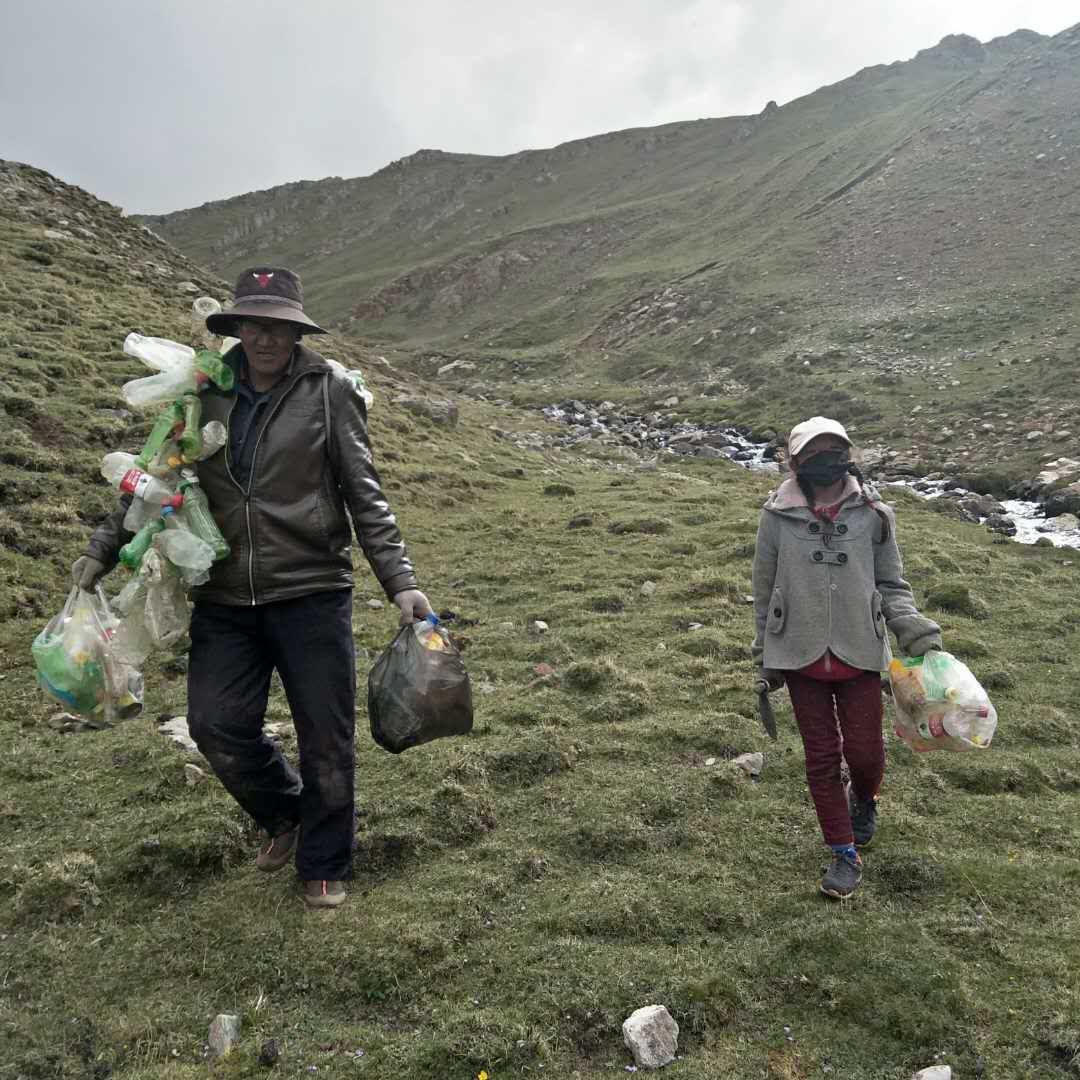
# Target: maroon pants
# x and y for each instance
(839, 721)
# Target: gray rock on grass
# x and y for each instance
(751, 764)
(224, 1033)
(176, 728)
(652, 1036)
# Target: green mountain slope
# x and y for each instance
(915, 217)
(591, 848)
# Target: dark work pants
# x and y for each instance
(234, 651)
(839, 720)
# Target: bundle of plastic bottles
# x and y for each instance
(940, 705)
(175, 541)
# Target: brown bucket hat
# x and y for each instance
(265, 292)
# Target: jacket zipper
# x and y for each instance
(251, 477)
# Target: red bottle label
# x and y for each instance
(135, 482)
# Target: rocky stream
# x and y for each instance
(1043, 510)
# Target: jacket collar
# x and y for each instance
(789, 497)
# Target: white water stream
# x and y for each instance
(1028, 516)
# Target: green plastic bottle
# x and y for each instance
(133, 552)
(170, 418)
(190, 440)
(196, 512)
(211, 367)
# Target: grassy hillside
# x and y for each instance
(589, 849)
(907, 234)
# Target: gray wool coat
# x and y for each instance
(832, 585)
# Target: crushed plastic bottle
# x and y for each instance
(214, 437)
(190, 554)
(201, 309)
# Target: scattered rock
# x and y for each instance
(193, 775)
(188, 286)
(456, 365)
(1064, 523)
(538, 626)
(269, 1053)
(505, 626)
(580, 521)
(935, 1072)
(652, 1036)
(1001, 523)
(443, 413)
(751, 764)
(1033, 436)
(648, 588)
(176, 728)
(375, 605)
(224, 1033)
(66, 723)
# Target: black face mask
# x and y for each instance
(826, 468)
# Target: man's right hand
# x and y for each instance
(86, 572)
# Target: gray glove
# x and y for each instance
(86, 571)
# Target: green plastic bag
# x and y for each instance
(75, 662)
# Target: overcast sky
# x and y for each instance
(162, 104)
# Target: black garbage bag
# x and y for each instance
(418, 690)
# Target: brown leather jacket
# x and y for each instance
(288, 531)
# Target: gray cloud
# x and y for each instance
(163, 104)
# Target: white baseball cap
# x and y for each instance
(802, 433)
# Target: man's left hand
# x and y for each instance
(413, 605)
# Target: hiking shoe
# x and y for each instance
(863, 817)
(278, 851)
(843, 876)
(324, 893)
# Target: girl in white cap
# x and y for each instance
(828, 585)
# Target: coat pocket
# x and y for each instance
(878, 615)
(777, 613)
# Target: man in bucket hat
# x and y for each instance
(297, 458)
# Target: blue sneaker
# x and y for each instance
(843, 876)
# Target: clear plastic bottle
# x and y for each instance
(972, 723)
(429, 634)
(190, 554)
(124, 474)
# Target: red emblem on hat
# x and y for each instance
(262, 279)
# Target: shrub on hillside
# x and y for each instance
(957, 598)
